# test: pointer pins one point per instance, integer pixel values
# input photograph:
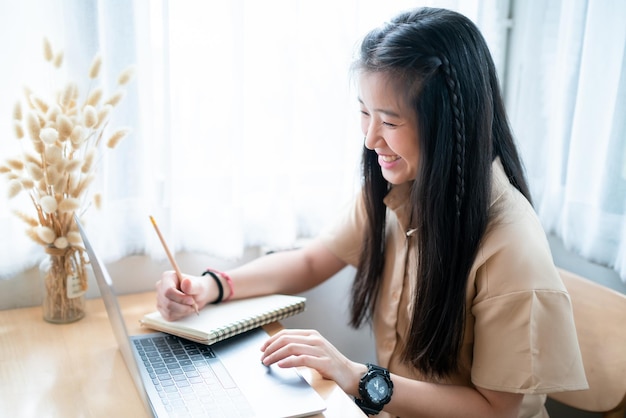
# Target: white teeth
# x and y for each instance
(389, 158)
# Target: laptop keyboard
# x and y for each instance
(190, 380)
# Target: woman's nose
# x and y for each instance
(372, 136)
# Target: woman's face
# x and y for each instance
(389, 127)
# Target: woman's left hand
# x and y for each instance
(295, 348)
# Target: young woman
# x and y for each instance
(453, 268)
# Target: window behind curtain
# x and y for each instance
(567, 101)
(245, 127)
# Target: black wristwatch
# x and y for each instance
(375, 389)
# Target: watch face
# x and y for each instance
(377, 389)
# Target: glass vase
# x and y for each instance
(65, 281)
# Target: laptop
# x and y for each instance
(180, 378)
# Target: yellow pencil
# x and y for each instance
(171, 257)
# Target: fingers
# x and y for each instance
(173, 303)
(287, 333)
(192, 286)
(294, 348)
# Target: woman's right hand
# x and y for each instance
(178, 298)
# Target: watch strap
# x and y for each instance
(366, 405)
(366, 409)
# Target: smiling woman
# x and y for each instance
(243, 118)
(389, 127)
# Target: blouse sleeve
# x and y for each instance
(343, 237)
(524, 335)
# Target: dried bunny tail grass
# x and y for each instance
(83, 185)
(61, 166)
(42, 185)
(42, 219)
(116, 98)
(35, 171)
(47, 50)
(39, 103)
(94, 70)
(27, 93)
(74, 238)
(17, 111)
(70, 204)
(53, 112)
(18, 130)
(32, 234)
(15, 187)
(68, 95)
(43, 122)
(126, 75)
(61, 243)
(62, 185)
(73, 165)
(117, 137)
(48, 204)
(90, 116)
(54, 155)
(45, 234)
(39, 146)
(100, 134)
(94, 97)
(103, 115)
(27, 183)
(15, 164)
(26, 218)
(73, 183)
(49, 136)
(88, 161)
(97, 201)
(64, 126)
(4, 169)
(58, 59)
(76, 146)
(31, 158)
(78, 135)
(53, 176)
(32, 126)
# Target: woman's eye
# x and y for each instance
(391, 125)
(364, 113)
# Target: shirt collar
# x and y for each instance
(398, 198)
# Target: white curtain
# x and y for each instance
(567, 100)
(243, 114)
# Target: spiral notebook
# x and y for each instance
(219, 322)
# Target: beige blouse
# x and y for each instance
(519, 333)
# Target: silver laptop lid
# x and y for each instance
(114, 312)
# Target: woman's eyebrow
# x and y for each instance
(384, 111)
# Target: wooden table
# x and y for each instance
(76, 370)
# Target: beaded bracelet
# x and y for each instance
(220, 288)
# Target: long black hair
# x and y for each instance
(440, 65)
